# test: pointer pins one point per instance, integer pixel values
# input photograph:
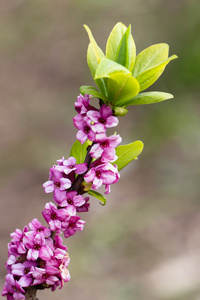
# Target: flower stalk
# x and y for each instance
(37, 258)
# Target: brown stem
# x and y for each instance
(31, 293)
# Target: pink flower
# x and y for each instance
(102, 174)
(82, 105)
(72, 198)
(35, 225)
(23, 270)
(57, 179)
(70, 165)
(47, 275)
(16, 247)
(54, 217)
(103, 117)
(106, 148)
(12, 289)
(84, 129)
(38, 246)
(72, 225)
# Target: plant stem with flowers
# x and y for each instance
(37, 258)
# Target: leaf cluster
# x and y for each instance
(121, 76)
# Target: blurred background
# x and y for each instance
(145, 243)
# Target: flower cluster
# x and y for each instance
(35, 259)
(36, 254)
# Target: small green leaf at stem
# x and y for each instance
(97, 196)
(79, 151)
(127, 153)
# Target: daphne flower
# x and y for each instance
(72, 225)
(70, 165)
(38, 246)
(12, 289)
(54, 217)
(23, 270)
(84, 129)
(87, 130)
(102, 174)
(16, 247)
(82, 105)
(57, 179)
(106, 148)
(46, 275)
(36, 226)
(103, 117)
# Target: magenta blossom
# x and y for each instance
(48, 276)
(16, 247)
(70, 165)
(106, 148)
(36, 226)
(87, 130)
(102, 174)
(12, 289)
(84, 129)
(38, 246)
(82, 105)
(72, 198)
(72, 225)
(54, 217)
(103, 117)
(57, 179)
(85, 206)
(23, 270)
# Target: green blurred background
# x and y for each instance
(145, 243)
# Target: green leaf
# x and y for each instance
(126, 153)
(114, 41)
(148, 77)
(127, 50)
(85, 89)
(94, 55)
(121, 88)
(97, 196)
(148, 98)
(108, 67)
(120, 46)
(150, 63)
(79, 151)
(93, 64)
(98, 53)
(150, 57)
